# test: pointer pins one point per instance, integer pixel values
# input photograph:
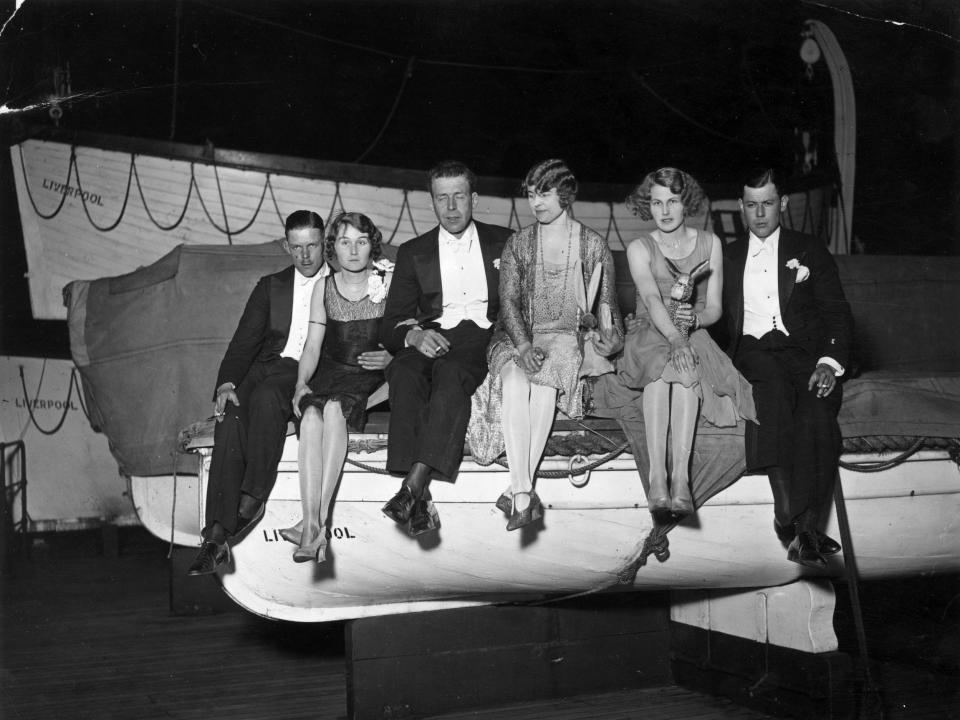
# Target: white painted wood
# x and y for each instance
(798, 615)
(905, 521)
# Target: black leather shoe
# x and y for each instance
(399, 508)
(805, 551)
(785, 533)
(424, 517)
(245, 524)
(827, 545)
(505, 503)
(210, 557)
(532, 513)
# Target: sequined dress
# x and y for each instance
(353, 327)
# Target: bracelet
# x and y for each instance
(316, 322)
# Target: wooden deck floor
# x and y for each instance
(86, 635)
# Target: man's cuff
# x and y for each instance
(837, 367)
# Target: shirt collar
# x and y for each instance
(302, 280)
(771, 243)
(466, 239)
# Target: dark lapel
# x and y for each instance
(738, 261)
(427, 263)
(281, 301)
(789, 249)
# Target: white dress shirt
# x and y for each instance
(761, 292)
(463, 279)
(300, 313)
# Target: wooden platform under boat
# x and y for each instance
(904, 519)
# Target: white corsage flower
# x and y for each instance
(376, 282)
(803, 272)
(496, 264)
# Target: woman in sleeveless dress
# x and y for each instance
(681, 369)
(345, 313)
(537, 346)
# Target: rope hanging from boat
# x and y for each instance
(872, 466)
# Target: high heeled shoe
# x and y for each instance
(682, 503)
(292, 534)
(316, 550)
(658, 498)
(530, 514)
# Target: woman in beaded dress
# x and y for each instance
(537, 346)
(681, 375)
(345, 313)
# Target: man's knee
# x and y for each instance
(450, 375)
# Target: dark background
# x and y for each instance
(616, 88)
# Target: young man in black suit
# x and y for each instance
(255, 384)
(447, 280)
(790, 334)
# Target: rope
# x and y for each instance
(143, 200)
(872, 466)
(66, 403)
(83, 200)
(63, 196)
(657, 544)
(223, 205)
(273, 197)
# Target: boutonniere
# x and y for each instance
(496, 264)
(376, 281)
(803, 272)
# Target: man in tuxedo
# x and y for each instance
(255, 384)
(447, 280)
(790, 333)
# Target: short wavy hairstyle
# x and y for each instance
(549, 175)
(677, 181)
(451, 169)
(355, 220)
(302, 219)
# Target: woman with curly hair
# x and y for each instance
(345, 312)
(668, 352)
(537, 348)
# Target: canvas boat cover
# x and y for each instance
(148, 345)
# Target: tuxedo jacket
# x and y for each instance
(416, 290)
(815, 311)
(264, 326)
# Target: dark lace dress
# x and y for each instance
(353, 327)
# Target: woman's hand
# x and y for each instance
(301, 390)
(682, 356)
(531, 358)
(607, 342)
(374, 360)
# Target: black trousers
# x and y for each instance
(248, 442)
(430, 400)
(797, 432)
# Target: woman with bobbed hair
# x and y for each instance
(668, 352)
(537, 347)
(345, 312)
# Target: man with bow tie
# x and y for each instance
(790, 333)
(252, 402)
(448, 281)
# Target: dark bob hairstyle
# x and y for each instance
(355, 220)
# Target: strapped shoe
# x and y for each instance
(399, 508)
(530, 514)
(210, 557)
